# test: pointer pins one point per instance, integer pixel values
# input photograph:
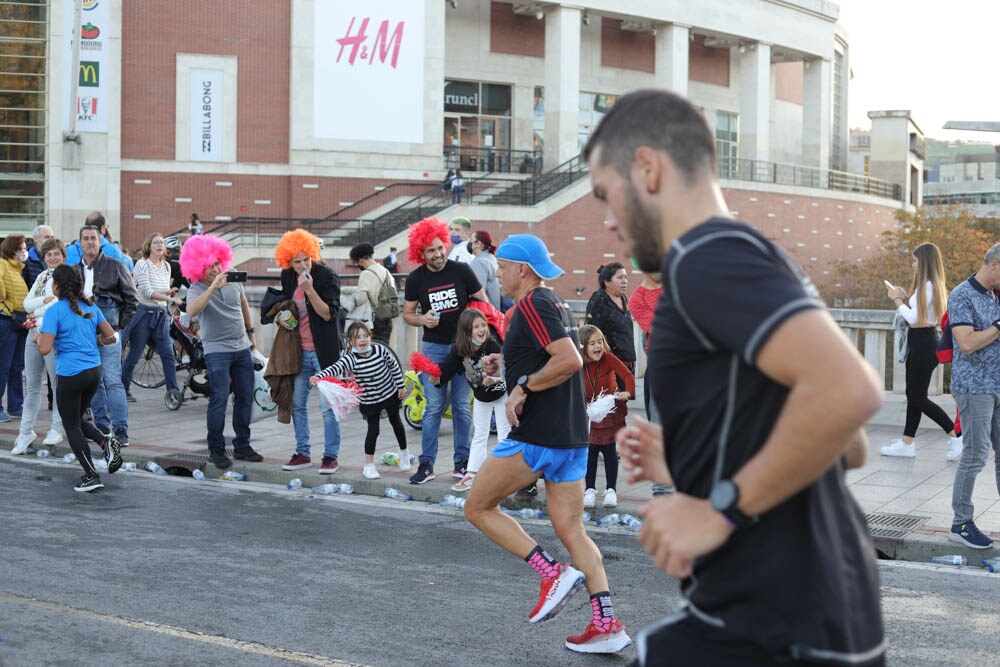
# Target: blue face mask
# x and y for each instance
(456, 239)
(355, 350)
(477, 343)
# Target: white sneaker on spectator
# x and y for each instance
(53, 437)
(610, 498)
(22, 443)
(955, 448)
(370, 472)
(589, 498)
(900, 448)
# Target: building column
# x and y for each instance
(755, 101)
(816, 112)
(672, 47)
(562, 85)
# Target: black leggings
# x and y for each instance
(373, 429)
(610, 465)
(73, 394)
(920, 364)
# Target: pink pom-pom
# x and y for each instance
(342, 395)
(422, 364)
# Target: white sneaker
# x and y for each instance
(23, 442)
(955, 448)
(610, 498)
(589, 498)
(899, 448)
(370, 472)
(404, 460)
(53, 437)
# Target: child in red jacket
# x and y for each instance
(600, 371)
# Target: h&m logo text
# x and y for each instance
(384, 42)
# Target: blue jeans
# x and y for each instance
(150, 322)
(436, 397)
(111, 392)
(12, 339)
(300, 411)
(229, 371)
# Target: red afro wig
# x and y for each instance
(201, 252)
(422, 234)
(294, 242)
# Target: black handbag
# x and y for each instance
(20, 317)
(272, 296)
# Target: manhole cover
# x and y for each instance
(893, 526)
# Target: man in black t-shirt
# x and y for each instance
(441, 288)
(542, 360)
(776, 563)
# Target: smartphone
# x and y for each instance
(236, 277)
(887, 284)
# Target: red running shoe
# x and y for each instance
(555, 593)
(594, 641)
(297, 462)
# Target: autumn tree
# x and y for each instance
(962, 239)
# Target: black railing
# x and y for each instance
(493, 160)
(758, 171)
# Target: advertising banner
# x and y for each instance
(91, 105)
(368, 81)
(206, 115)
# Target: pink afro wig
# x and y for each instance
(294, 242)
(202, 251)
(422, 234)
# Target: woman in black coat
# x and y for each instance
(608, 311)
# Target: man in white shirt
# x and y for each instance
(460, 229)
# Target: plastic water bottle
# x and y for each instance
(129, 466)
(345, 489)
(234, 476)
(609, 520)
(396, 494)
(632, 522)
(525, 513)
(198, 475)
(992, 564)
(390, 459)
(69, 458)
(586, 515)
(294, 484)
(949, 560)
(453, 502)
(154, 468)
(101, 465)
(43, 453)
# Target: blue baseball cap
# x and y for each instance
(529, 249)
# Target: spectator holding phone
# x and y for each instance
(227, 336)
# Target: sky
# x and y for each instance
(936, 59)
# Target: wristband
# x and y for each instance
(997, 324)
(249, 330)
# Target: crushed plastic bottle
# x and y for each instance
(101, 465)
(396, 494)
(992, 564)
(525, 513)
(294, 484)
(198, 474)
(69, 458)
(390, 459)
(453, 502)
(609, 520)
(632, 522)
(586, 515)
(43, 453)
(345, 489)
(129, 466)
(949, 560)
(154, 467)
(234, 476)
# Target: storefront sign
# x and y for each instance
(206, 115)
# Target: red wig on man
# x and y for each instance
(422, 234)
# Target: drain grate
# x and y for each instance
(188, 460)
(893, 526)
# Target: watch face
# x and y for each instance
(723, 495)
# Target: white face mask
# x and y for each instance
(22, 256)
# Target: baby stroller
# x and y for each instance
(192, 360)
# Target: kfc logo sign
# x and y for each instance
(86, 108)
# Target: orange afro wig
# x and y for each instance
(294, 242)
(422, 234)
(201, 252)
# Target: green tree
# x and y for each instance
(962, 239)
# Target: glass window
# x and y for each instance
(496, 99)
(727, 142)
(461, 96)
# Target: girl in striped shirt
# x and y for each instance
(375, 368)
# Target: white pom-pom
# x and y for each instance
(342, 397)
(602, 406)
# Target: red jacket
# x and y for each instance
(601, 374)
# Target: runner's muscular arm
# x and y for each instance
(564, 361)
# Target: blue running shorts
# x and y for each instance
(556, 465)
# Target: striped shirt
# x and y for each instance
(149, 279)
(378, 373)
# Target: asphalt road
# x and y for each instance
(164, 571)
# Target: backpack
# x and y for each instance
(388, 263)
(387, 306)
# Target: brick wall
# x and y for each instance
(627, 50)
(258, 34)
(516, 34)
(708, 64)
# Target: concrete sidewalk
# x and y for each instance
(918, 489)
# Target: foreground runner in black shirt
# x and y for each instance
(762, 401)
(548, 438)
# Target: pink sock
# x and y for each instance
(545, 565)
(604, 614)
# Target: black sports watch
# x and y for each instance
(522, 382)
(724, 497)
